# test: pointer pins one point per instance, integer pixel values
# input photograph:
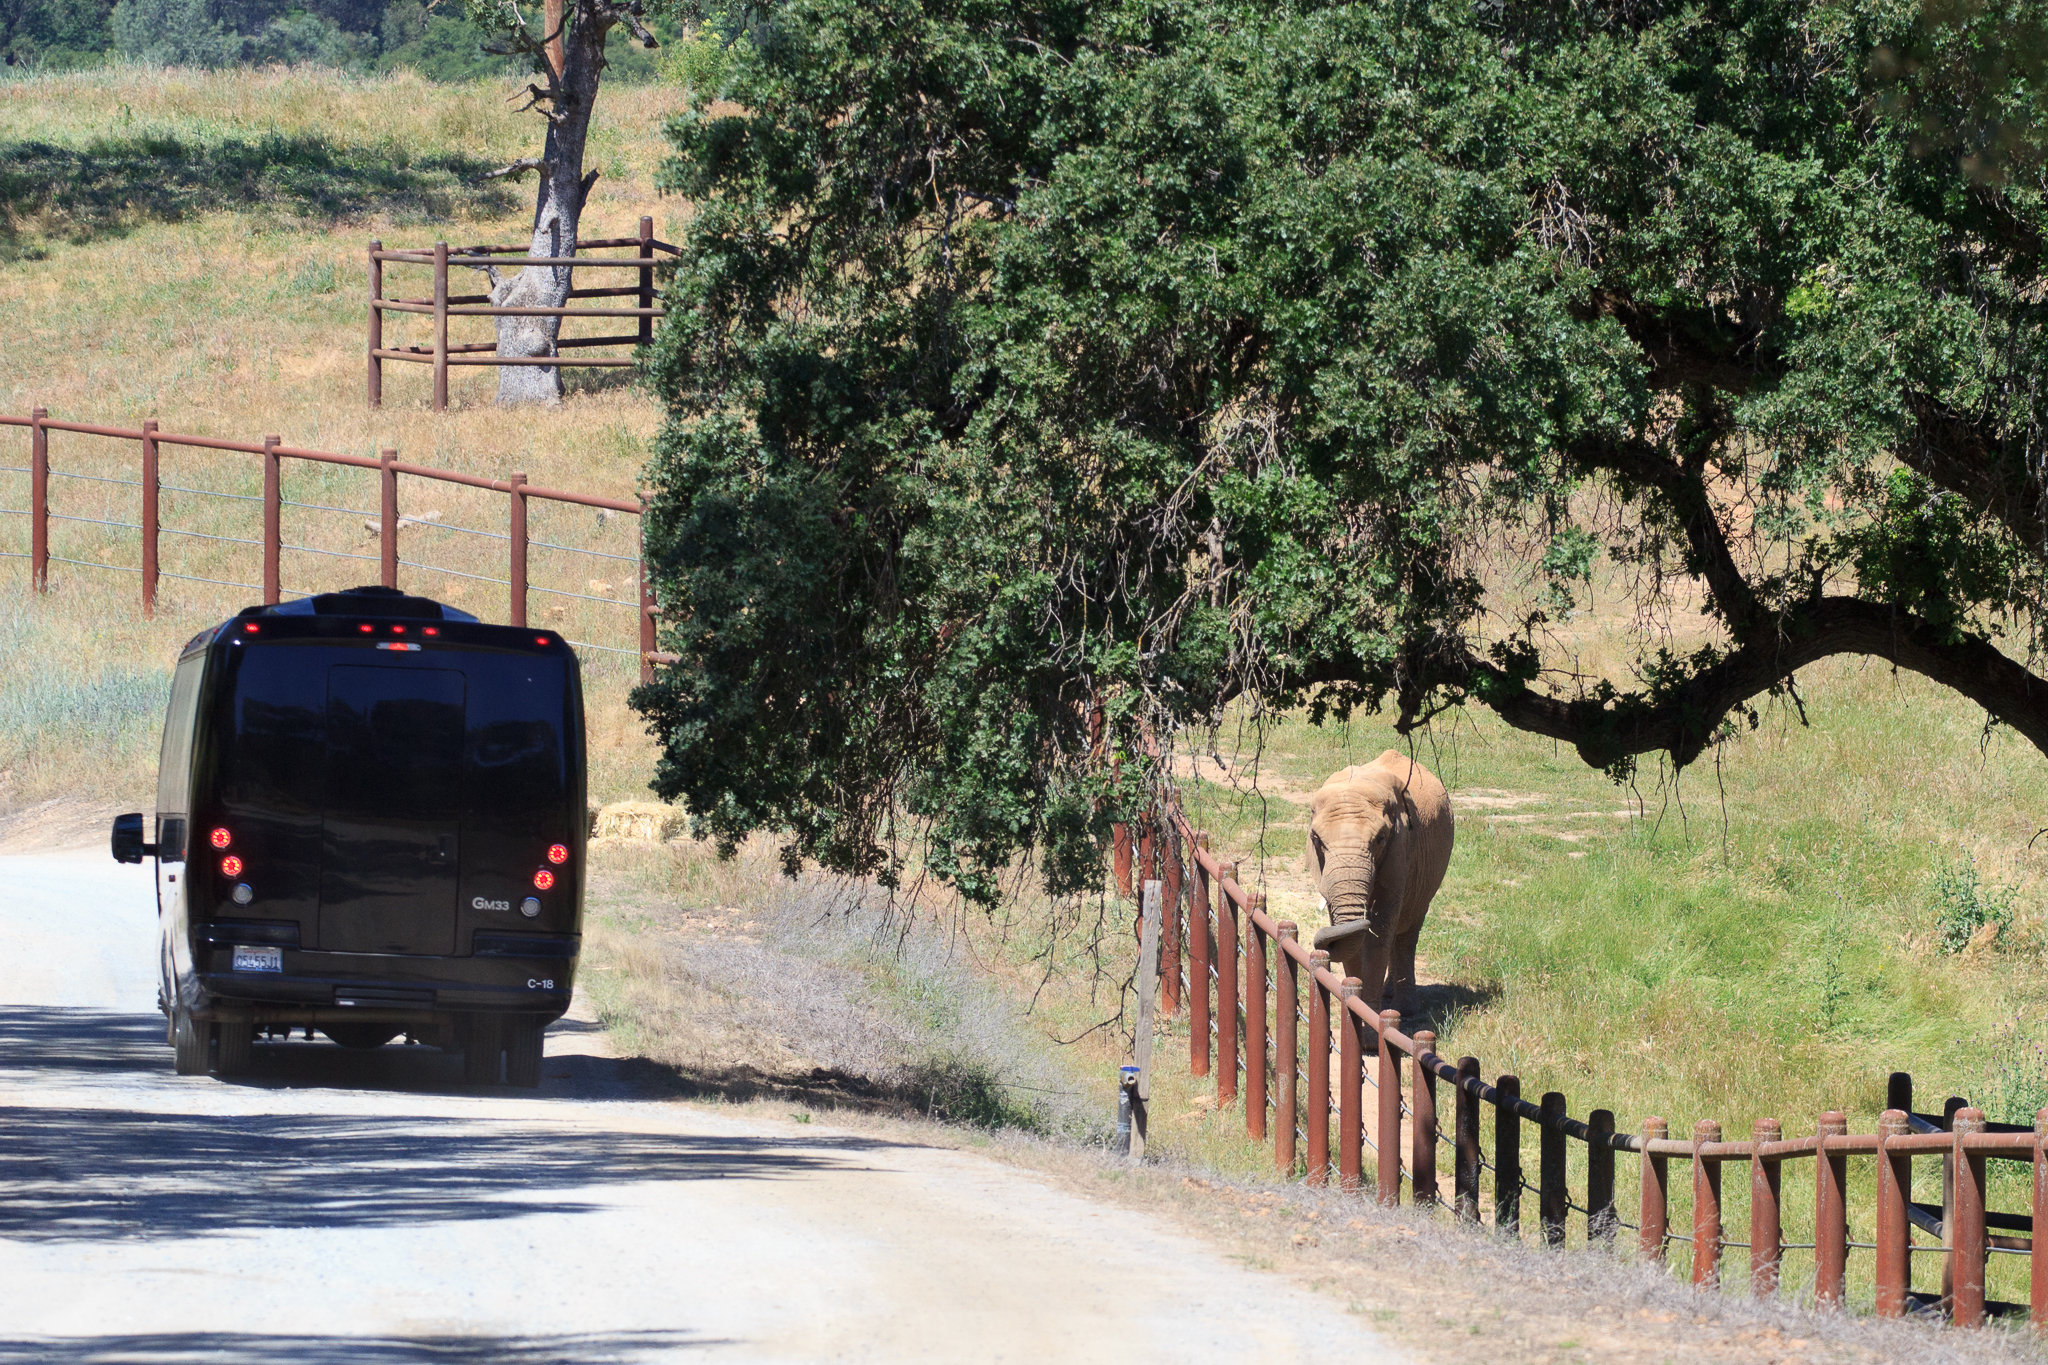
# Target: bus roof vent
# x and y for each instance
(371, 600)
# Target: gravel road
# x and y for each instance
(338, 1207)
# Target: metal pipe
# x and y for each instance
(1255, 1023)
(1553, 1200)
(1422, 1125)
(1654, 1214)
(1199, 958)
(1766, 1229)
(1387, 1178)
(39, 498)
(1967, 1259)
(376, 362)
(647, 280)
(2038, 1279)
(441, 333)
(1318, 1116)
(1226, 983)
(1169, 925)
(1831, 1211)
(1601, 1219)
(1706, 1207)
(1350, 1106)
(1507, 1158)
(1286, 1008)
(516, 565)
(273, 527)
(649, 609)
(387, 480)
(1465, 1170)
(151, 519)
(1894, 1189)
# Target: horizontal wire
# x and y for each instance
(14, 512)
(209, 493)
(220, 582)
(202, 535)
(95, 521)
(95, 478)
(446, 526)
(323, 507)
(580, 644)
(574, 550)
(88, 564)
(15, 469)
(436, 568)
(611, 601)
(338, 554)
(16, 554)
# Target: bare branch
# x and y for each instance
(519, 167)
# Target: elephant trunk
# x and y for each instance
(1349, 892)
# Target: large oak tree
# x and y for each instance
(1045, 377)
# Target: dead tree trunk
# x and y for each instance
(571, 56)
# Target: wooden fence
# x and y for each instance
(151, 443)
(440, 306)
(1311, 1052)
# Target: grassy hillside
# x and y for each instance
(190, 246)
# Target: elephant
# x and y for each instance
(1379, 843)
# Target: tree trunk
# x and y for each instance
(556, 215)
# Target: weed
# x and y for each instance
(1964, 907)
(2016, 1079)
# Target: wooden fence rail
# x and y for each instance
(1372, 1052)
(441, 305)
(151, 444)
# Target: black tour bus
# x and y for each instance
(369, 820)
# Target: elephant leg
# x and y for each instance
(1402, 991)
(1372, 971)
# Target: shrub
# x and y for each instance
(1963, 905)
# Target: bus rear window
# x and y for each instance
(394, 742)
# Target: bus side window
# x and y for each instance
(174, 762)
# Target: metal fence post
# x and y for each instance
(1254, 1018)
(1226, 983)
(1422, 1121)
(1169, 926)
(1465, 1170)
(376, 374)
(39, 498)
(1967, 1304)
(1766, 1229)
(1286, 1008)
(1350, 1082)
(1601, 1219)
(1317, 1117)
(150, 518)
(646, 273)
(1199, 958)
(1654, 1214)
(1553, 1200)
(648, 610)
(441, 332)
(1706, 1206)
(1894, 1236)
(1120, 836)
(387, 483)
(1387, 1174)
(515, 571)
(273, 519)
(1831, 1212)
(1507, 1158)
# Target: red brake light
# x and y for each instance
(430, 630)
(558, 853)
(364, 628)
(540, 639)
(398, 630)
(231, 866)
(543, 879)
(220, 838)
(250, 627)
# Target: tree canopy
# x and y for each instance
(1044, 378)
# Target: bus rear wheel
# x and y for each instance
(189, 1040)
(361, 1036)
(482, 1048)
(237, 1040)
(523, 1052)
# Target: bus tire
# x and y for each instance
(482, 1049)
(189, 1039)
(237, 1047)
(523, 1053)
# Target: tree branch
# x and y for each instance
(519, 167)
(1954, 454)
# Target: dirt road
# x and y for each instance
(364, 1207)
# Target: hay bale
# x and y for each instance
(649, 821)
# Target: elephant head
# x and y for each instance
(1354, 842)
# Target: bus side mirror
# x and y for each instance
(128, 845)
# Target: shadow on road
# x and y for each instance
(240, 1348)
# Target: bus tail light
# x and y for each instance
(220, 838)
(558, 854)
(231, 866)
(543, 879)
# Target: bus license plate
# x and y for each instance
(259, 959)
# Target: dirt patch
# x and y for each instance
(58, 826)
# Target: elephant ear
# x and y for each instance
(1313, 851)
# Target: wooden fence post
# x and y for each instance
(1466, 1168)
(1553, 1199)
(376, 374)
(1766, 1228)
(2038, 1278)
(1422, 1121)
(516, 563)
(441, 333)
(1601, 1219)
(1254, 1018)
(1350, 1080)
(1655, 1213)
(1967, 1305)
(1169, 928)
(151, 518)
(1952, 1106)
(1286, 1014)
(1226, 983)
(1318, 1115)
(1198, 965)
(1830, 1212)
(1507, 1158)
(1894, 1235)
(646, 273)
(39, 498)
(387, 487)
(1387, 1174)
(1706, 1207)
(273, 520)
(1120, 835)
